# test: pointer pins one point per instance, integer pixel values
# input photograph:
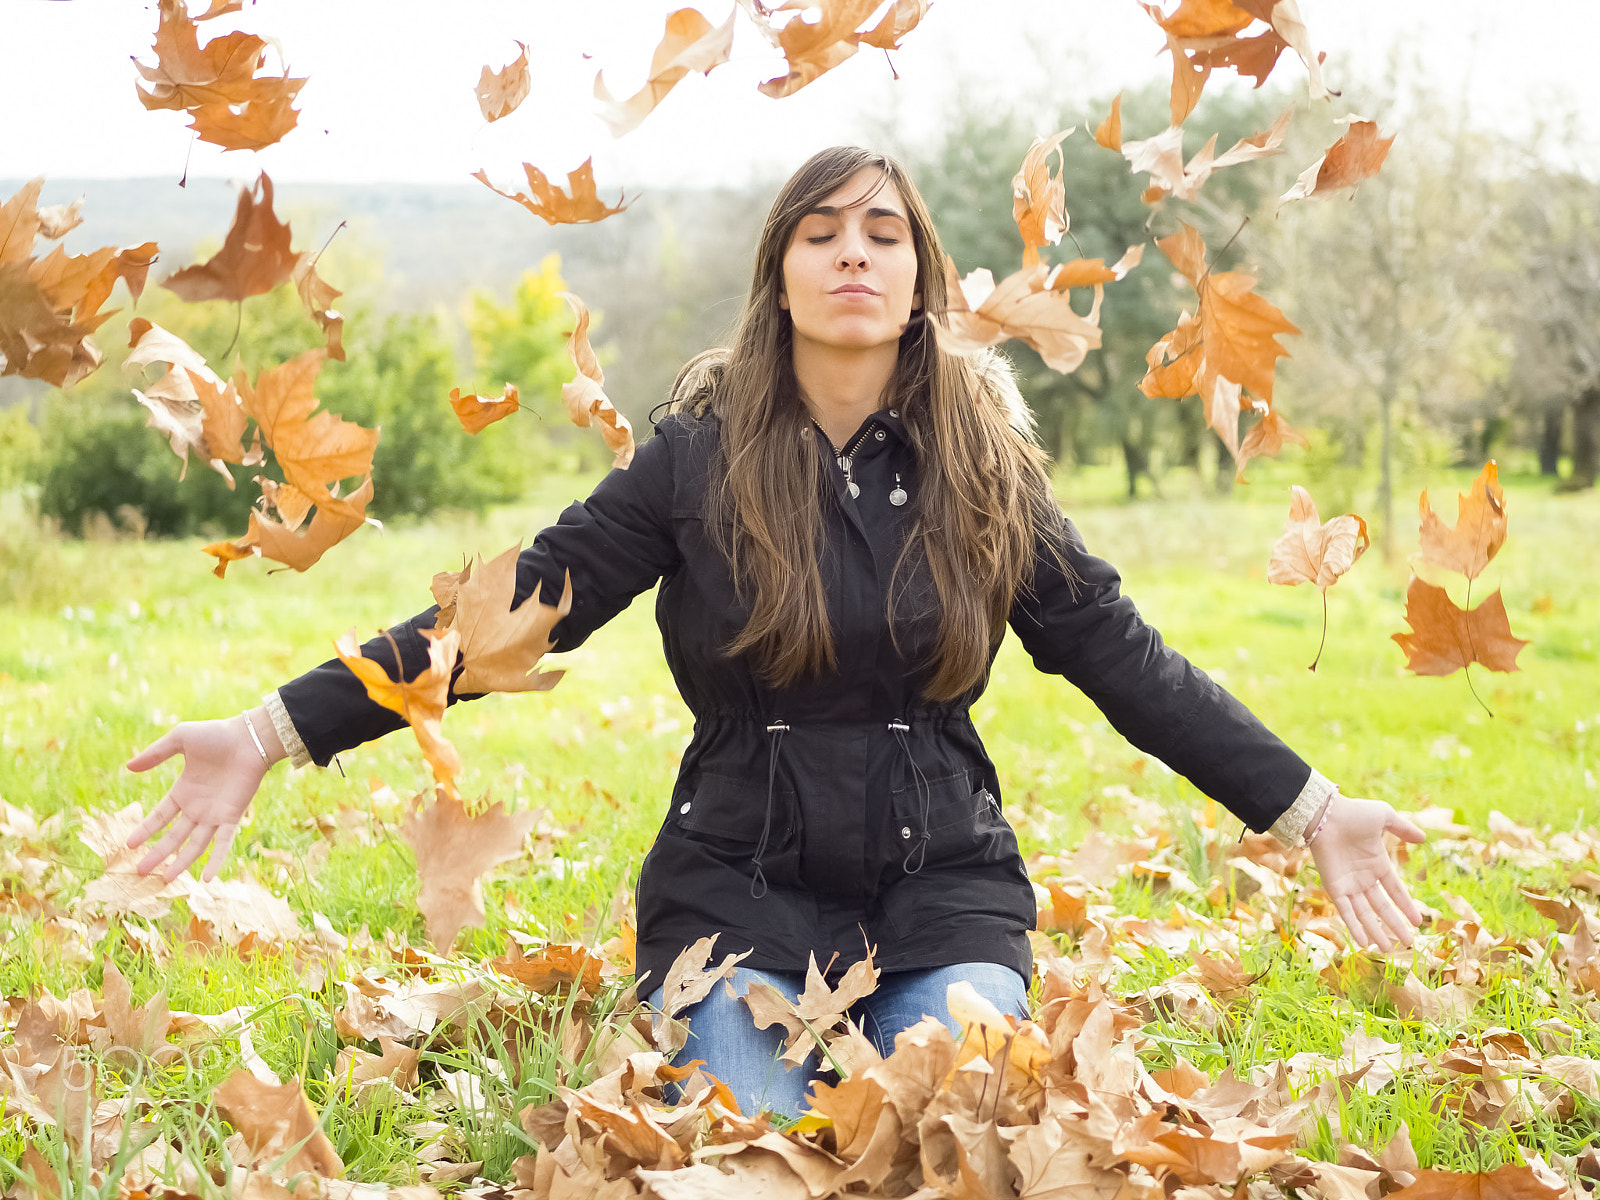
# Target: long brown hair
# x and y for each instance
(983, 495)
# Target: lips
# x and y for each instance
(853, 289)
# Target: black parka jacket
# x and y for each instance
(844, 812)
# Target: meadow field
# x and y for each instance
(112, 641)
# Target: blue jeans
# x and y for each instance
(749, 1060)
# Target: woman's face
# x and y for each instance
(850, 272)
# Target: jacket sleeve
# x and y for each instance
(1078, 624)
(616, 544)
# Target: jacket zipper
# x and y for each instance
(844, 456)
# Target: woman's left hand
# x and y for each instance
(1359, 875)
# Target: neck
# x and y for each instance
(842, 387)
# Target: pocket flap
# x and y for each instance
(727, 807)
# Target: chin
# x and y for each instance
(854, 337)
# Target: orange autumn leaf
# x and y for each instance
(1480, 528)
(690, 43)
(453, 851)
(421, 701)
(1109, 132)
(255, 256)
(1206, 35)
(189, 404)
(317, 296)
(1023, 305)
(1266, 438)
(476, 413)
(545, 199)
(1086, 272)
(1311, 551)
(1356, 156)
(1161, 157)
(1038, 197)
(500, 645)
(1503, 1183)
(335, 519)
(586, 401)
(216, 84)
(499, 92)
(274, 1120)
(551, 968)
(1445, 638)
(814, 48)
(314, 449)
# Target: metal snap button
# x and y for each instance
(880, 435)
(894, 412)
(683, 809)
(905, 831)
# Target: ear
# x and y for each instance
(783, 301)
(916, 301)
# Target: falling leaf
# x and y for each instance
(1480, 528)
(453, 851)
(420, 700)
(1086, 272)
(501, 645)
(274, 1118)
(1444, 638)
(1109, 132)
(690, 43)
(1358, 155)
(59, 220)
(255, 256)
(216, 84)
(476, 413)
(499, 92)
(1161, 157)
(579, 204)
(814, 48)
(1266, 438)
(188, 403)
(1023, 305)
(318, 295)
(335, 519)
(1204, 35)
(1312, 552)
(313, 448)
(1038, 197)
(586, 401)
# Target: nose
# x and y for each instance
(853, 252)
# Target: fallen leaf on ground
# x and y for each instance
(453, 851)
(585, 398)
(272, 1118)
(690, 43)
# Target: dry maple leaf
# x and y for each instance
(275, 1118)
(314, 449)
(814, 48)
(255, 256)
(1161, 157)
(1480, 528)
(1109, 132)
(58, 220)
(1266, 438)
(586, 401)
(453, 851)
(1038, 197)
(499, 92)
(816, 1010)
(1358, 155)
(1024, 306)
(1086, 272)
(420, 700)
(1445, 639)
(318, 295)
(476, 413)
(690, 43)
(544, 199)
(336, 518)
(229, 104)
(1309, 551)
(1503, 1183)
(189, 403)
(552, 968)
(1205, 35)
(501, 645)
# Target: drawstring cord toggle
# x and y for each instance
(758, 882)
(918, 852)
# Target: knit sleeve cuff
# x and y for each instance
(299, 756)
(1290, 828)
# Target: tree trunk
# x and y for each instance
(1585, 441)
(1550, 440)
(1222, 481)
(1138, 461)
(1386, 471)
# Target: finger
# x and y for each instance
(1352, 923)
(192, 850)
(225, 836)
(158, 751)
(158, 818)
(1395, 886)
(1391, 916)
(164, 848)
(1370, 920)
(1404, 828)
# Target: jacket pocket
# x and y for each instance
(729, 809)
(965, 827)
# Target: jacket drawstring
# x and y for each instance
(924, 798)
(758, 883)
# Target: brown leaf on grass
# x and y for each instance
(255, 256)
(500, 645)
(318, 295)
(1444, 638)
(690, 43)
(1448, 1004)
(476, 413)
(1480, 528)
(1038, 197)
(545, 199)
(814, 48)
(820, 1006)
(453, 851)
(396, 1066)
(1503, 1183)
(143, 1030)
(314, 449)
(1053, 1162)
(1024, 306)
(216, 84)
(420, 700)
(1109, 132)
(1358, 155)
(1161, 157)
(499, 92)
(1310, 551)
(585, 398)
(552, 968)
(276, 1119)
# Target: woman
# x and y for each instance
(843, 520)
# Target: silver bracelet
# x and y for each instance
(255, 737)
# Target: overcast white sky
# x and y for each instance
(390, 91)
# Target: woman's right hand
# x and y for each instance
(222, 769)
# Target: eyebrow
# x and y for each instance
(830, 210)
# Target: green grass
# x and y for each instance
(143, 636)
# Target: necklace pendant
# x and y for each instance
(898, 497)
(854, 489)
